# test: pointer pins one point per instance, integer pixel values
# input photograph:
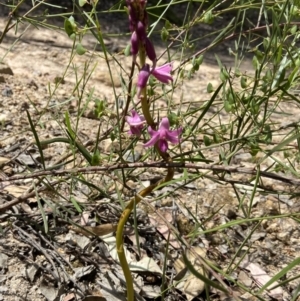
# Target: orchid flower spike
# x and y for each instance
(136, 123)
(163, 135)
(162, 73)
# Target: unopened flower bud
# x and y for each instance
(134, 43)
(141, 31)
(150, 50)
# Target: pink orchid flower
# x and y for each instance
(162, 73)
(163, 135)
(136, 123)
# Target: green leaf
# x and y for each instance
(127, 50)
(224, 75)
(199, 60)
(80, 49)
(168, 25)
(70, 26)
(208, 17)
(206, 140)
(243, 82)
(164, 34)
(96, 158)
(255, 63)
(293, 29)
(82, 2)
(76, 205)
(99, 107)
(210, 88)
(37, 140)
(68, 124)
(280, 146)
(227, 106)
(173, 119)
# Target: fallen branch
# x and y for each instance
(107, 168)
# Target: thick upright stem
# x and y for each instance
(144, 102)
(143, 193)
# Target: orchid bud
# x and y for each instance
(134, 43)
(141, 31)
(150, 50)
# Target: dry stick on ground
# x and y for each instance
(26, 196)
(107, 168)
(95, 169)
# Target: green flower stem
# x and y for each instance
(133, 202)
(120, 228)
(145, 106)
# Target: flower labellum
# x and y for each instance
(143, 79)
(162, 73)
(163, 135)
(136, 123)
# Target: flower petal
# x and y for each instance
(166, 68)
(163, 73)
(150, 49)
(164, 124)
(135, 130)
(141, 31)
(152, 141)
(136, 119)
(163, 78)
(172, 137)
(134, 43)
(143, 76)
(152, 132)
(163, 145)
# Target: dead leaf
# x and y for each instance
(163, 228)
(192, 255)
(191, 286)
(15, 190)
(94, 298)
(69, 297)
(84, 218)
(97, 230)
(146, 264)
(3, 160)
(261, 278)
